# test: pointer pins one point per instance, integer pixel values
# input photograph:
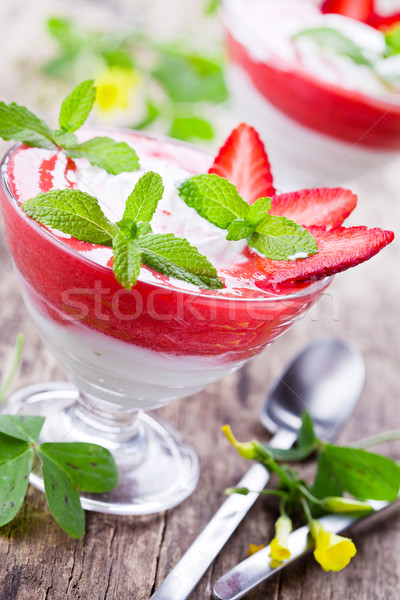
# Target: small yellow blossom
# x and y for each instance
(343, 505)
(253, 548)
(246, 449)
(279, 545)
(114, 89)
(333, 552)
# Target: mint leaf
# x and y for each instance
(214, 198)
(127, 260)
(190, 127)
(62, 497)
(114, 157)
(175, 257)
(128, 228)
(142, 202)
(239, 230)
(73, 212)
(90, 467)
(14, 478)
(259, 210)
(392, 39)
(65, 139)
(22, 427)
(76, 107)
(279, 238)
(331, 39)
(363, 474)
(325, 484)
(19, 124)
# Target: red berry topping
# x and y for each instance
(243, 161)
(355, 9)
(338, 249)
(321, 206)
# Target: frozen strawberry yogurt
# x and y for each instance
(164, 338)
(325, 117)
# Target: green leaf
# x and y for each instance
(175, 257)
(292, 455)
(62, 30)
(117, 57)
(214, 198)
(74, 212)
(143, 200)
(11, 447)
(19, 344)
(14, 479)
(392, 39)
(19, 124)
(189, 127)
(363, 474)
(325, 484)
(190, 78)
(62, 497)
(65, 139)
(114, 157)
(22, 427)
(90, 467)
(332, 39)
(306, 436)
(259, 210)
(129, 228)
(278, 238)
(76, 107)
(239, 230)
(152, 112)
(127, 260)
(211, 7)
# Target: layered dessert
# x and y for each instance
(166, 338)
(322, 88)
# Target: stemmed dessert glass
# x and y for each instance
(128, 352)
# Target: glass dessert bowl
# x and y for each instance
(126, 352)
(325, 117)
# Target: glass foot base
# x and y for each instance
(157, 469)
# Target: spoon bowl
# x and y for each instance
(326, 379)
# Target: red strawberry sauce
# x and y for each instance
(66, 286)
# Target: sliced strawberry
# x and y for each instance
(355, 9)
(242, 160)
(338, 249)
(383, 22)
(322, 206)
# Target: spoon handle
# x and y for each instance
(252, 571)
(196, 560)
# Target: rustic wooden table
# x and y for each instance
(122, 558)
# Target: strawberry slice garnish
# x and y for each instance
(338, 249)
(242, 160)
(361, 10)
(320, 206)
(355, 9)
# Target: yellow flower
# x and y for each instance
(253, 548)
(114, 88)
(279, 545)
(333, 552)
(246, 449)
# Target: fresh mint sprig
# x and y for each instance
(19, 124)
(218, 201)
(79, 214)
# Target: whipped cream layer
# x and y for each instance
(266, 29)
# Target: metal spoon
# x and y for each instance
(326, 379)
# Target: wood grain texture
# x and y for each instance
(123, 558)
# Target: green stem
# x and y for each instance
(303, 490)
(17, 357)
(307, 511)
(270, 463)
(379, 438)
